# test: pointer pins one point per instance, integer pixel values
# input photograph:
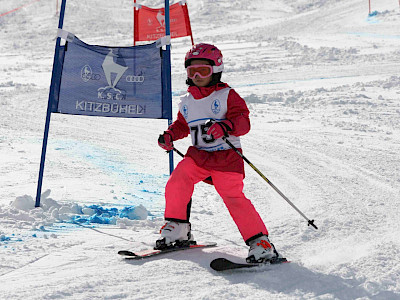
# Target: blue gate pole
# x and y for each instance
(49, 104)
(169, 88)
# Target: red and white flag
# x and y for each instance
(150, 22)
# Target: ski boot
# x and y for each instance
(175, 235)
(261, 250)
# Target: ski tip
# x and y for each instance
(223, 264)
(126, 253)
(219, 264)
(153, 252)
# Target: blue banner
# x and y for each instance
(110, 81)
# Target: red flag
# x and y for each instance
(150, 22)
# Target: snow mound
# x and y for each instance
(24, 203)
(50, 212)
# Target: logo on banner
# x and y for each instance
(113, 72)
(161, 21)
(160, 18)
(216, 106)
(87, 74)
(133, 78)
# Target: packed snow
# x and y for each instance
(321, 79)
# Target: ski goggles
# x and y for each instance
(203, 71)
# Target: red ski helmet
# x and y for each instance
(208, 52)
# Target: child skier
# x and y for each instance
(209, 98)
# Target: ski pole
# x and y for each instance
(177, 151)
(310, 222)
(162, 140)
(208, 180)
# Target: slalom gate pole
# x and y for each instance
(310, 222)
(168, 71)
(48, 114)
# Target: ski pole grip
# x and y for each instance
(209, 123)
(161, 139)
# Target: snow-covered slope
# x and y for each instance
(322, 81)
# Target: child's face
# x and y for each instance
(197, 80)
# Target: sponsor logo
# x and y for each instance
(133, 78)
(110, 67)
(216, 106)
(185, 111)
(160, 18)
(161, 22)
(113, 73)
(87, 74)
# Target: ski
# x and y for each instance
(151, 252)
(223, 264)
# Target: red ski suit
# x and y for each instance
(225, 167)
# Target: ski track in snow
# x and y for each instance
(322, 83)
